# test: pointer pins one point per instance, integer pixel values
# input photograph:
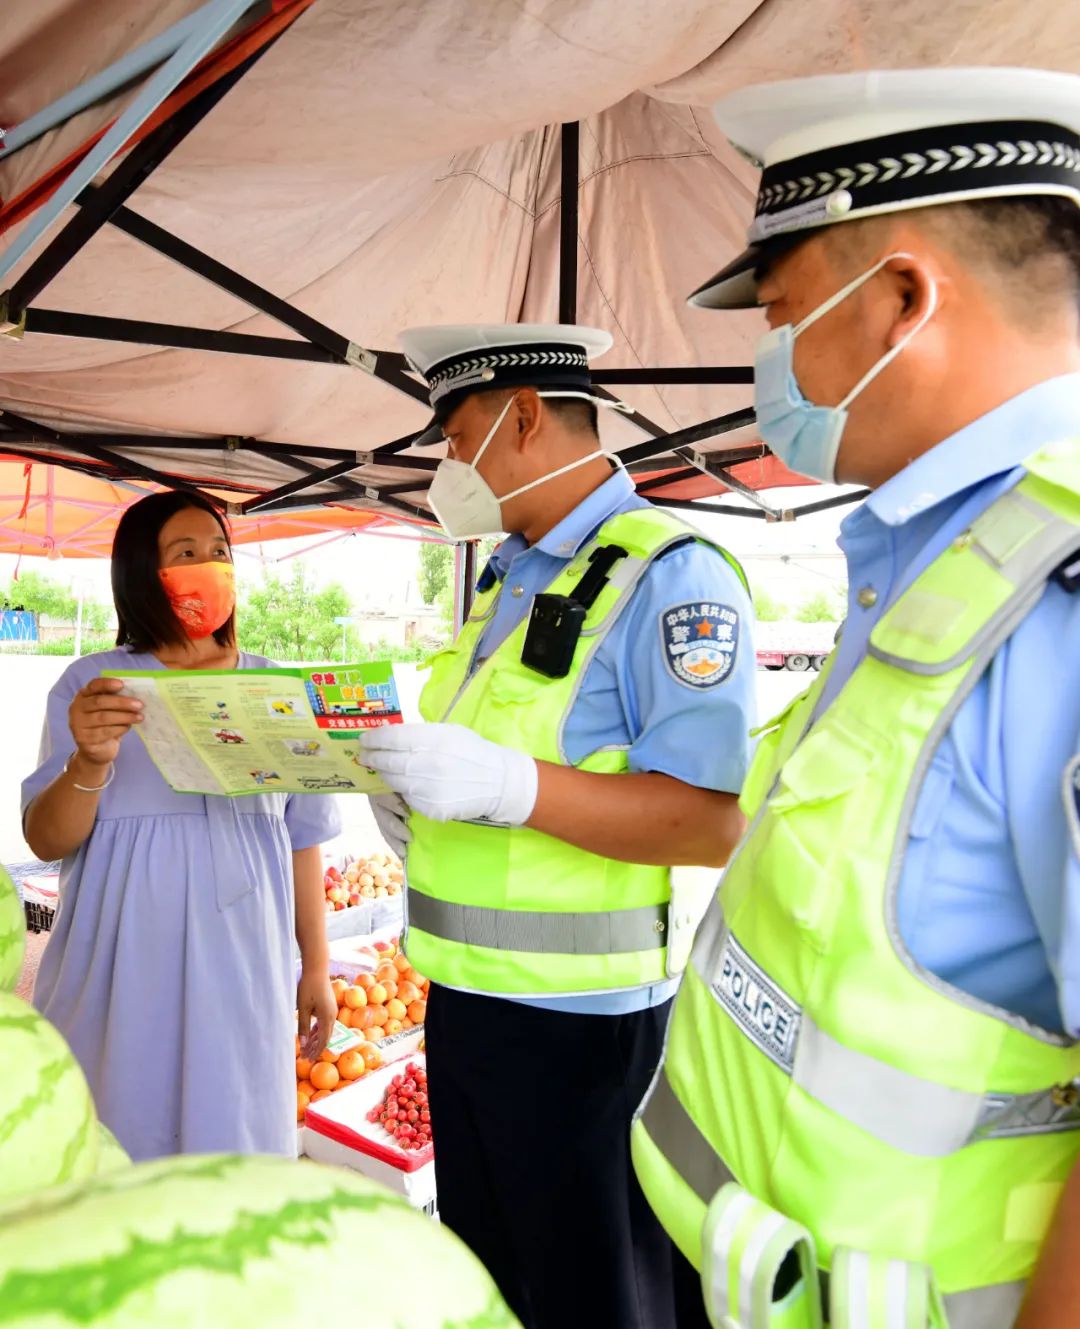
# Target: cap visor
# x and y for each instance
(733, 287)
(432, 434)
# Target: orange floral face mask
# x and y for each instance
(202, 595)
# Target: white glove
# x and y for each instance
(391, 814)
(448, 773)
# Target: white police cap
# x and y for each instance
(845, 146)
(462, 358)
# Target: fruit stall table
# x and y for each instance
(364, 896)
(344, 1097)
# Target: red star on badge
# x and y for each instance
(704, 628)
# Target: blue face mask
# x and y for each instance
(806, 437)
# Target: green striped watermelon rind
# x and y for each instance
(48, 1126)
(111, 1153)
(149, 1243)
(12, 934)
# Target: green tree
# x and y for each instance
(822, 607)
(445, 600)
(767, 609)
(42, 595)
(291, 620)
(436, 570)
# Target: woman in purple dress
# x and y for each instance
(170, 967)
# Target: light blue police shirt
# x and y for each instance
(631, 695)
(989, 897)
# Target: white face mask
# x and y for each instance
(464, 502)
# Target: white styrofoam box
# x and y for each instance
(338, 1132)
(361, 953)
(405, 1044)
(356, 921)
(388, 915)
(354, 955)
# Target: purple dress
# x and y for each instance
(169, 968)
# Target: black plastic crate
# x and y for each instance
(39, 918)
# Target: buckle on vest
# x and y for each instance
(1065, 1095)
(1067, 573)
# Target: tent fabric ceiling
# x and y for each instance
(395, 162)
(54, 512)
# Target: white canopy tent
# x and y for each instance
(289, 183)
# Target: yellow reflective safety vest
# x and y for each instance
(823, 1099)
(512, 911)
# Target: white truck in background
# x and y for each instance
(788, 644)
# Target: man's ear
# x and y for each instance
(917, 290)
(528, 412)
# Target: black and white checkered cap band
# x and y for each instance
(536, 365)
(918, 167)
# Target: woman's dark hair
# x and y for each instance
(146, 621)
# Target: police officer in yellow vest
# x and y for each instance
(588, 729)
(867, 1108)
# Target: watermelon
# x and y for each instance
(221, 1242)
(12, 933)
(48, 1126)
(111, 1153)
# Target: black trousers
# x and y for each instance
(531, 1114)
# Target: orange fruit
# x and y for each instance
(397, 1010)
(400, 963)
(303, 1068)
(327, 1055)
(305, 1087)
(345, 1017)
(355, 997)
(378, 1014)
(351, 1064)
(386, 973)
(377, 995)
(371, 1055)
(407, 992)
(297, 1052)
(417, 1011)
(340, 988)
(302, 1100)
(320, 1093)
(393, 1027)
(376, 1033)
(324, 1075)
(407, 1023)
(365, 981)
(390, 988)
(418, 978)
(364, 1018)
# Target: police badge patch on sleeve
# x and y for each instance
(1071, 791)
(700, 641)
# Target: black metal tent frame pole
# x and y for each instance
(313, 341)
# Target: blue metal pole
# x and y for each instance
(123, 71)
(216, 18)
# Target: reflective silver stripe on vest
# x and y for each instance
(1025, 565)
(908, 1112)
(994, 1307)
(676, 1134)
(620, 932)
